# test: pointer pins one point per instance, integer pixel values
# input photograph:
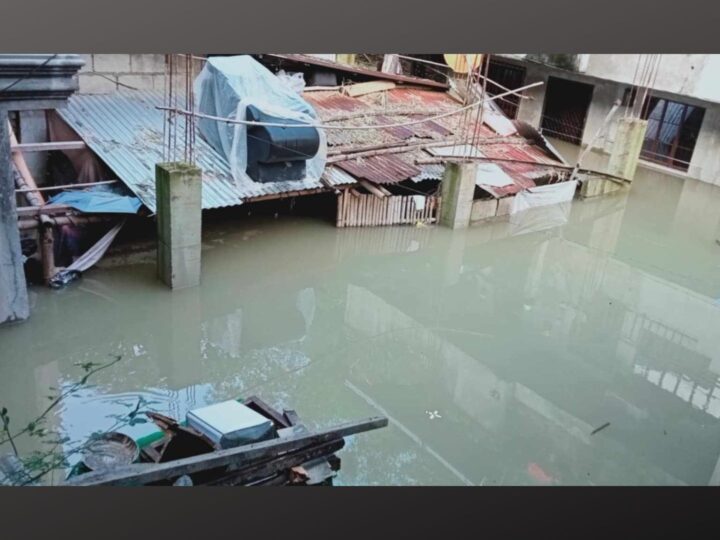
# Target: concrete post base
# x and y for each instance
(178, 189)
(594, 187)
(458, 190)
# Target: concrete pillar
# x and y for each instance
(624, 158)
(178, 189)
(458, 189)
(13, 290)
(625, 155)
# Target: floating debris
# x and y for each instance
(596, 430)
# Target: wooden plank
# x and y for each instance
(270, 468)
(141, 474)
(347, 197)
(364, 88)
(291, 416)
(48, 146)
(48, 210)
(372, 188)
(343, 207)
(259, 406)
(27, 181)
(338, 211)
(313, 60)
(354, 203)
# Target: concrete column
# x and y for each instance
(625, 155)
(624, 158)
(178, 189)
(458, 189)
(13, 289)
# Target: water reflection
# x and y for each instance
(496, 352)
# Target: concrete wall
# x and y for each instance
(105, 73)
(693, 75)
(705, 163)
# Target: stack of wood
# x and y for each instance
(186, 457)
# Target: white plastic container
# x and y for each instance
(230, 423)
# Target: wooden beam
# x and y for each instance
(371, 73)
(361, 89)
(141, 474)
(257, 471)
(372, 188)
(65, 186)
(56, 221)
(26, 179)
(48, 210)
(48, 146)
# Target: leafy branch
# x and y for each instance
(40, 463)
(90, 368)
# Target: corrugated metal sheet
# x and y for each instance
(125, 130)
(394, 106)
(384, 169)
(337, 177)
(430, 171)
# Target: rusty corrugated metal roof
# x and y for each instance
(126, 131)
(399, 105)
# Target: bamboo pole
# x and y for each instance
(65, 186)
(426, 161)
(348, 154)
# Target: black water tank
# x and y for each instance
(277, 154)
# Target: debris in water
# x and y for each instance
(433, 414)
(538, 473)
(594, 431)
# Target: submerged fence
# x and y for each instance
(362, 210)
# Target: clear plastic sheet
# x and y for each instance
(225, 88)
(544, 196)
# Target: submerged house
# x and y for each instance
(395, 138)
(383, 176)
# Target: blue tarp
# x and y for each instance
(102, 202)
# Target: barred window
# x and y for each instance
(672, 132)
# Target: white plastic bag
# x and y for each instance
(294, 81)
(225, 88)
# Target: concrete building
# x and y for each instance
(683, 107)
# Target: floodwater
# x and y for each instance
(495, 352)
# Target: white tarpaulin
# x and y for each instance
(540, 218)
(543, 196)
(225, 88)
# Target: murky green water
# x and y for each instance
(495, 352)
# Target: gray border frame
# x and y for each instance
(374, 26)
